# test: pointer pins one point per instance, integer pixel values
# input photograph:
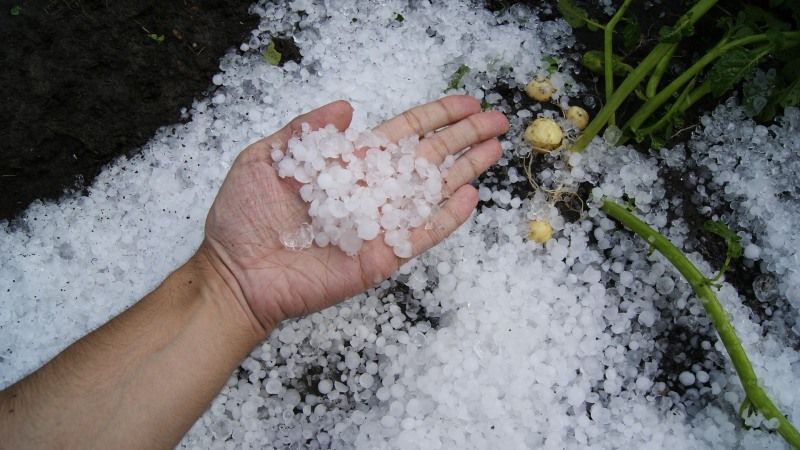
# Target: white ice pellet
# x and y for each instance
(686, 378)
(365, 380)
(273, 386)
(647, 318)
(218, 99)
(665, 285)
(325, 386)
(752, 251)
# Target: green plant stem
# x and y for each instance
(658, 72)
(634, 78)
(650, 107)
(685, 101)
(627, 86)
(701, 286)
(608, 53)
(592, 23)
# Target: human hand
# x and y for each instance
(271, 283)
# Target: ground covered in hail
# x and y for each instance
(489, 340)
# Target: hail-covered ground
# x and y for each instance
(486, 341)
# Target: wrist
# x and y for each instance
(220, 287)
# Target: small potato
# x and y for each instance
(578, 117)
(540, 90)
(540, 231)
(544, 135)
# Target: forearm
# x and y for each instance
(141, 380)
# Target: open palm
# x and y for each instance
(254, 206)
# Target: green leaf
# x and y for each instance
(791, 95)
(675, 34)
(573, 14)
(631, 35)
(730, 69)
(158, 38)
(271, 55)
(455, 80)
(595, 62)
(657, 142)
(399, 17)
(759, 19)
(732, 241)
(776, 39)
(15, 10)
(552, 64)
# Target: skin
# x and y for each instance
(142, 379)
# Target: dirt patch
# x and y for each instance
(87, 81)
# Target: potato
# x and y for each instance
(540, 231)
(544, 135)
(540, 90)
(578, 117)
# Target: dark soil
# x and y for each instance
(86, 81)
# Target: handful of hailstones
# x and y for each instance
(357, 185)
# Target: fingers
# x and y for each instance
(429, 117)
(469, 131)
(454, 212)
(471, 164)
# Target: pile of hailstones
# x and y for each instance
(358, 184)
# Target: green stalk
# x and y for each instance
(688, 97)
(701, 286)
(701, 91)
(650, 107)
(634, 78)
(608, 53)
(658, 72)
(616, 100)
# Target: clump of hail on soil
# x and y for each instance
(359, 185)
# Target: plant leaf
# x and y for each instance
(758, 18)
(158, 38)
(594, 61)
(674, 34)
(552, 64)
(631, 35)
(573, 14)
(731, 68)
(732, 241)
(455, 80)
(271, 55)
(791, 95)
(15, 10)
